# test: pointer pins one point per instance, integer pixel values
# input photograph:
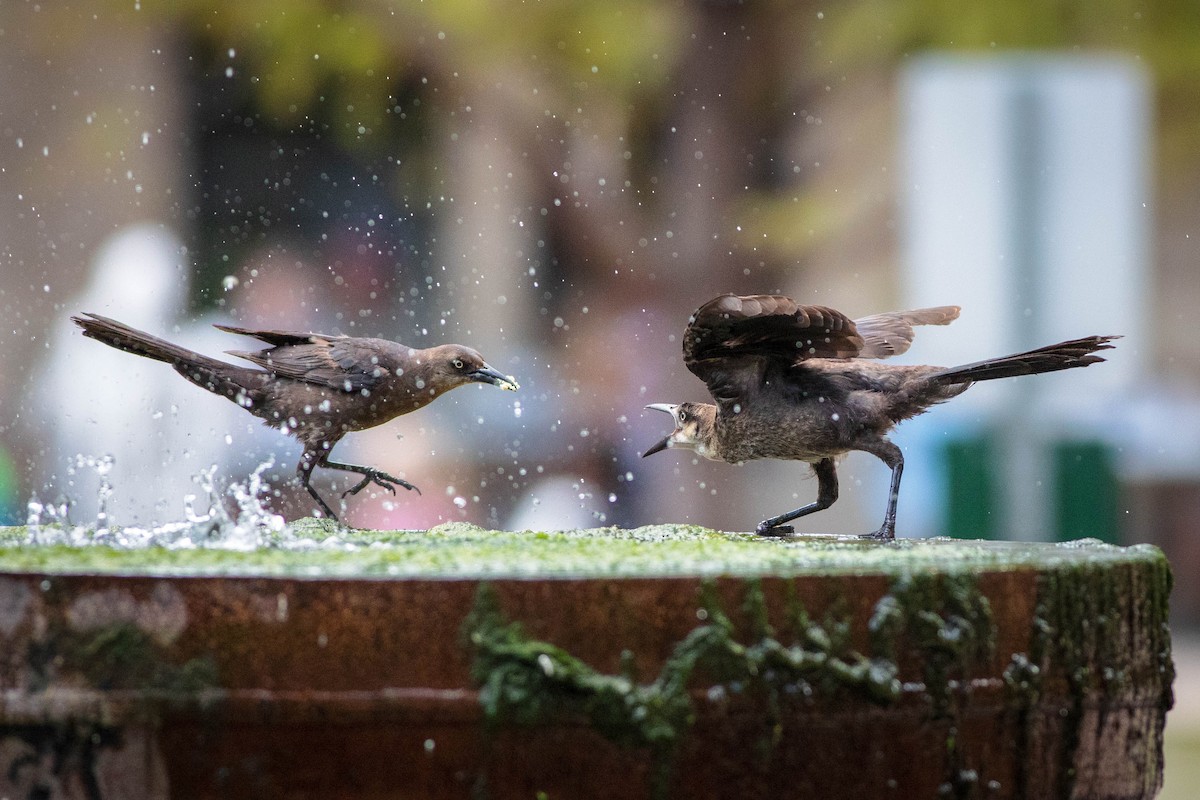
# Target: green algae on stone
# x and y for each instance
(1077, 640)
(110, 640)
(528, 682)
(920, 609)
(320, 548)
(948, 620)
(124, 657)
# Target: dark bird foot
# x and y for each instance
(389, 482)
(884, 534)
(764, 529)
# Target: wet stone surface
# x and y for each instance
(320, 548)
(654, 662)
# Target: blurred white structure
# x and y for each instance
(93, 400)
(1026, 200)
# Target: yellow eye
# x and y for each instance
(458, 363)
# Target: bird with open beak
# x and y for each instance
(804, 383)
(317, 387)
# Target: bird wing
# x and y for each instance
(731, 340)
(891, 333)
(277, 338)
(333, 362)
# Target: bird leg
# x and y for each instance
(890, 454)
(827, 494)
(304, 470)
(370, 475)
(312, 459)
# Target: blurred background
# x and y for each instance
(559, 185)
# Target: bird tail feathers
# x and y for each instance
(208, 373)
(1064, 355)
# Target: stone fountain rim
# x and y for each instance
(463, 552)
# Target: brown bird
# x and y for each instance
(316, 387)
(792, 382)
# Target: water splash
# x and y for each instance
(229, 517)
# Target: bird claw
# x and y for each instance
(381, 479)
(882, 535)
(764, 529)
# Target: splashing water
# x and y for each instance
(207, 522)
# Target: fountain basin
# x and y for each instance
(667, 661)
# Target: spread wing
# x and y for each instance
(891, 333)
(731, 341)
(277, 338)
(334, 362)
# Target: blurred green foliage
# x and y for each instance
(1164, 35)
(383, 80)
(359, 58)
(357, 55)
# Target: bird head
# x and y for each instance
(695, 425)
(455, 365)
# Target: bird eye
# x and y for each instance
(458, 363)
(683, 416)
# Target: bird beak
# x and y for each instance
(486, 374)
(665, 442)
(661, 444)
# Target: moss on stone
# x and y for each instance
(933, 613)
(122, 656)
(319, 548)
(117, 657)
(945, 617)
(933, 616)
(529, 682)
(1077, 636)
